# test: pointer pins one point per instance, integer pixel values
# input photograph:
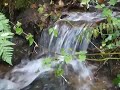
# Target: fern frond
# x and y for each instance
(6, 50)
(4, 23)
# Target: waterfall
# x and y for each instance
(76, 73)
(69, 29)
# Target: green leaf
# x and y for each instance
(117, 43)
(111, 46)
(118, 75)
(116, 81)
(107, 12)
(95, 32)
(54, 31)
(100, 6)
(67, 58)
(29, 37)
(1, 26)
(112, 2)
(8, 60)
(104, 25)
(109, 38)
(109, 19)
(103, 43)
(82, 55)
(59, 72)
(40, 9)
(85, 2)
(2, 17)
(18, 24)
(51, 30)
(19, 30)
(116, 21)
(4, 34)
(47, 62)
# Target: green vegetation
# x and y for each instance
(6, 36)
(5, 39)
(19, 30)
(116, 81)
(54, 31)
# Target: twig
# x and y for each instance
(36, 45)
(95, 46)
(105, 53)
(104, 59)
(65, 79)
(100, 67)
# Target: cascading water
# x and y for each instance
(67, 40)
(69, 29)
(77, 75)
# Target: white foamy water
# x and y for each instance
(24, 74)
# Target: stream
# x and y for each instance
(78, 75)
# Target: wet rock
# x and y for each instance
(21, 49)
(29, 16)
(46, 81)
(4, 68)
